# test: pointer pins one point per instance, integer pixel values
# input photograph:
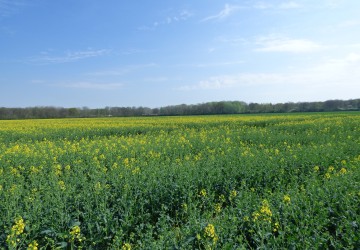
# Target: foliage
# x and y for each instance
(209, 108)
(200, 182)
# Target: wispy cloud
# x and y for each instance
(182, 15)
(131, 51)
(348, 24)
(91, 85)
(333, 3)
(225, 12)
(218, 64)
(262, 5)
(121, 70)
(10, 7)
(276, 43)
(211, 64)
(231, 81)
(70, 56)
(339, 74)
(157, 79)
(289, 5)
(283, 5)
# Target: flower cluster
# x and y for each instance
(286, 199)
(33, 246)
(75, 234)
(264, 212)
(233, 194)
(126, 246)
(16, 230)
(209, 233)
(202, 192)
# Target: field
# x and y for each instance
(201, 182)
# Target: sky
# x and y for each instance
(92, 53)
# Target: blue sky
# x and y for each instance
(75, 53)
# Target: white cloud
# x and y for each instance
(352, 58)
(156, 79)
(262, 5)
(91, 85)
(283, 5)
(232, 81)
(348, 24)
(274, 43)
(211, 64)
(121, 70)
(47, 58)
(227, 11)
(217, 64)
(332, 78)
(333, 3)
(289, 5)
(182, 15)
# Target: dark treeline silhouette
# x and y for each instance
(209, 108)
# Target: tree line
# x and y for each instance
(208, 108)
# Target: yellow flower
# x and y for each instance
(19, 226)
(209, 231)
(343, 171)
(14, 171)
(265, 209)
(13, 188)
(198, 236)
(276, 227)
(217, 208)
(327, 176)
(126, 162)
(330, 169)
(75, 233)
(57, 169)
(222, 198)
(203, 192)
(286, 199)
(264, 213)
(126, 246)
(33, 246)
(256, 215)
(16, 229)
(34, 170)
(136, 170)
(316, 169)
(233, 194)
(62, 185)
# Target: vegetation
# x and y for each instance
(210, 108)
(199, 182)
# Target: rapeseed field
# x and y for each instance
(199, 182)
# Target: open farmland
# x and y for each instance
(201, 182)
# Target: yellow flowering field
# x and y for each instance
(288, 181)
